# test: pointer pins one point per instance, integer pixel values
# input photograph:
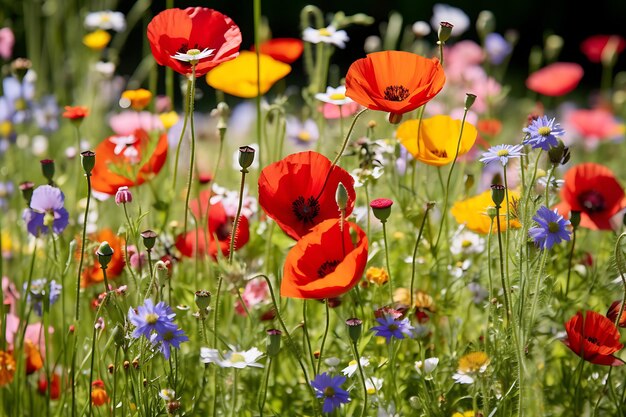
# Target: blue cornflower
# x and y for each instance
(497, 48)
(150, 318)
(502, 153)
(552, 228)
(391, 327)
(543, 133)
(167, 339)
(46, 210)
(38, 290)
(329, 388)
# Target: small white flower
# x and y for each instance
(125, 145)
(194, 55)
(467, 243)
(420, 28)
(353, 367)
(454, 15)
(106, 20)
(462, 378)
(232, 359)
(427, 367)
(328, 35)
(336, 96)
(106, 69)
(373, 385)
(167, 394)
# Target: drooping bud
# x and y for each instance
(161, 272)
(485, 23)
(123, 196)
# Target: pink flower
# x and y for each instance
(7, 40)
(127, 122)
(594, 125)
(10, 294)
(331, 111)
(256, 292)
(34, 333)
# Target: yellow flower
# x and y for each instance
(424, 301)
(239, 76)
(97, 40)
(472, 212)
(168, 119)
(7, 368)
(376, 275)
(464, 414)
(474, 362)
(7, 245)
(402, 296)
(137, 99)
(437, 140)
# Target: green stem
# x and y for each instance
(414, 258)
(387, 262)
(257, 47)
(620, 268)
(233, 233)
(569, 261)
(192, 153)
(263, 391)
(362, 375)
(182, 134)
(326, 326)
(82, 248)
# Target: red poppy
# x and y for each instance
(92, 273)
(594, 338)
(219, 230)
(285, 50)
(593, 46)
(55, 386)
(394, 81)
(76, 112)
(325, 263)
(593, 190)
(298, 192)
(121, 160)
(613, 311)
(192, 31)
(489, 127)
(34, 361)
(555, 79)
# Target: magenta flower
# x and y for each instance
(46, 209)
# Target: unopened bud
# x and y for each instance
(246, 157)
(381, 207)
(355, 327)
(202, 299)
(445, 31)
(47, 168)
(485, 23)
(88, 160)
(273, 342)
(469, 100)
(161, 272)
(341, 197)
(497, 194)
(149, 239)
(574, 218)
(27, 191)
(105, 253)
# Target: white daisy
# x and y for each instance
(467, 243)
(336, 96)
(353, 367)
(328, 35)
(106, 20)
(194, 55)
(426, 367)
(232, 359)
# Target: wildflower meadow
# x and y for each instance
(201, 217)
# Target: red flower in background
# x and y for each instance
(595, 125)
(594, 46)
(285, 50)
(216, 238)
(121, 160)
(55, 386)
(92, 273)
(75, 112)
(593, 190)
(594, 338)
(613, 312)
(193, 30)
(325, 263)
(298, 192)
(555, 79)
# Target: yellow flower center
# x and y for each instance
(503, 152)
(544, 131)
(237, 357)
(304, 136)
(105, 17)
(352, 363)
(553, 227)
(5, 128)
(151, 318)
(97, 40)
(466, 243)
(371, 390)
(193, 52)
(324, 32)
(337, 96)
(473, 362)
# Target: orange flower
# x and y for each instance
(122, 160)
(99, 394)
(298, 192)
(437, 140)
(594, 338)
(75, 112)
(92, 273)
(593, 190)
(7, 368)
(34, 361)
(472, 212)
(137, 99)
(285, 50)
(193, 31)
(325, 263)
(489, 127)
(394, 81)
(555, 79)
(219, 230)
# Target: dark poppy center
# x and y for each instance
(305, 209)
(184, 48)
(224, 230)
(592, 340)
(326, 268)
(439, 153)
(592, 201)
(396, 93)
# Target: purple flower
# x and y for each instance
(149, 318)
(391, 327)
(543, 133)
(497, 48)
(502, 153)
(168, 339)
(552, 228)
(46, 209)
(38, 290)
(329, 388)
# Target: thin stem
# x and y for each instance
(362, 375)
(347, 138)
(263, 391)
(256, 10)
(192, 153)
(620, 268)
(180, 139)
(505, 289)
(233, 233)
(569, 261)
(326, 326)
(305, 332)
(387, 261)
(414, 258)
(82, 248)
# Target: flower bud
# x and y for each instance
(88, 160)
(556, 153)
(381, 208)
(395, 118)
(445, 31)
(202, 299)
(149, 239)
(47, 168)
(355, 326)
(123, 196)
(105, 253)
(27, 191)
(485, 23)
(492, 212)
(574, 218)
(273, 342)
(497, 194)
(246, 157)
(469, 100)
(341, 196)
(161, 272)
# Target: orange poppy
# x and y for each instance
(34, 361)
(555, 79)
(325, 263)
(193, 31)
(99, 394)
(593, 47)
(394, 81)
(472, 212)
(594, 338)
(285, 50)
(92, 273)
(122, 161)
(593, 190)
(75, 112)
(219, 230)
(489, 127)
(298, 192)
